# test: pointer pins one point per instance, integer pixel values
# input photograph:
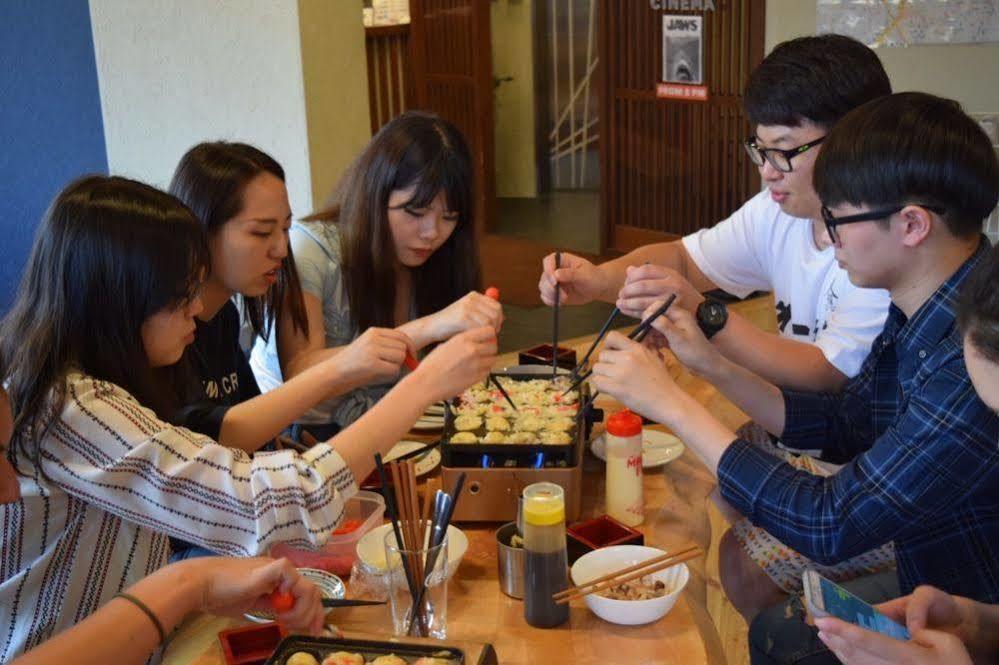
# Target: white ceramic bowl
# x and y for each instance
(371, 548)
(606, 560)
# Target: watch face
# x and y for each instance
(714, 314)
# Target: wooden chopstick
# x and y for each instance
(628, 574)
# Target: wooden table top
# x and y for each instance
(478, 611)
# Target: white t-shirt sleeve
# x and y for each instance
(733, 253)
(858, 317)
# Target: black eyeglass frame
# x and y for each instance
(757, 154)
(832, 222)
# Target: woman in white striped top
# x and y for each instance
(90, 355)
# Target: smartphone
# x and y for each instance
(825, 598)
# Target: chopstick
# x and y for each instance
(600, 336)
(558, 264)
(495, 380)
(628, 574)
(638, 334)
(350, 602)
(418, 452)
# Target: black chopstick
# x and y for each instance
(600, 336)
(432, 553)
(506, 396)
(558, 264)
(350, 602)
(418, 452)
(638, 334)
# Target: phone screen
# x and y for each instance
(844, 605)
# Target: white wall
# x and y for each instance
(173, 73)
(965, 72)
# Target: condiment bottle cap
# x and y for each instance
(624, 423)
(544, 504)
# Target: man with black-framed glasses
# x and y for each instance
(774, 242)
(907, 181)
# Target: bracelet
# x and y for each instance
(148, 612)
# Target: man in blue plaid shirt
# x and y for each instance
(906, 181)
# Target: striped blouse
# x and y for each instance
(117, 482)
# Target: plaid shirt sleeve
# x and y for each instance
(923, 465)
(839, 424)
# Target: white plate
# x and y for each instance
(424, 463)
(330, 586)
(658, 448)
(425, 423)
(434, 410)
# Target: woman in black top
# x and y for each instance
(238, 193)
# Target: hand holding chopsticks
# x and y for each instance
(637, 334)
(629, 574)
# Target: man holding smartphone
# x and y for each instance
(946, 629)
(907, 181)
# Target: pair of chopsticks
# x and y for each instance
(628, 574)
(638, 334)
(558, 264)
(499, 386)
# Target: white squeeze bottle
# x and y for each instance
(624, 500)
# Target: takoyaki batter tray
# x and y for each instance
(564, 452)
(409, 651)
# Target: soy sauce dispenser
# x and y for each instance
(546, 569)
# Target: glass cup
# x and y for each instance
(417, 575)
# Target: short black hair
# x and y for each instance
(819, 78)
(978, 308)
(911, 147)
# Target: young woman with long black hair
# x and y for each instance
(90, 355)
(238, 193)
(394, 250)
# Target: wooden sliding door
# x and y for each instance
(672, 166)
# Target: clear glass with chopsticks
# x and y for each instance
(428, 566)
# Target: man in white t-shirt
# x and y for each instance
(775, 241)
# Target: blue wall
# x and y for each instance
(50, 118)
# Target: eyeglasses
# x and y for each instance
(832, 222)
(779, 159)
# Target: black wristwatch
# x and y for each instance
(711, 317)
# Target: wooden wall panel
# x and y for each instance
(390, 85)
(672, 166)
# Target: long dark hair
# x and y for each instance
(109, 253)
(210, 179)
(418, 149)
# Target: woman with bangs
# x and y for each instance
(238, 194)
(91, 356)
(395, 249)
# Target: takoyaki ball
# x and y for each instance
(497, 424)
(473, 409)
(552, 437)
(494, 437)
(498, 409)
(560, 424)
(570, 397)
(522, 437)
(388, 660)
(465, 423)
(561, 384)
(301, 658)
(530, 411)
(464, 437)
(530, 424)
(343, 658)
(562, 410)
